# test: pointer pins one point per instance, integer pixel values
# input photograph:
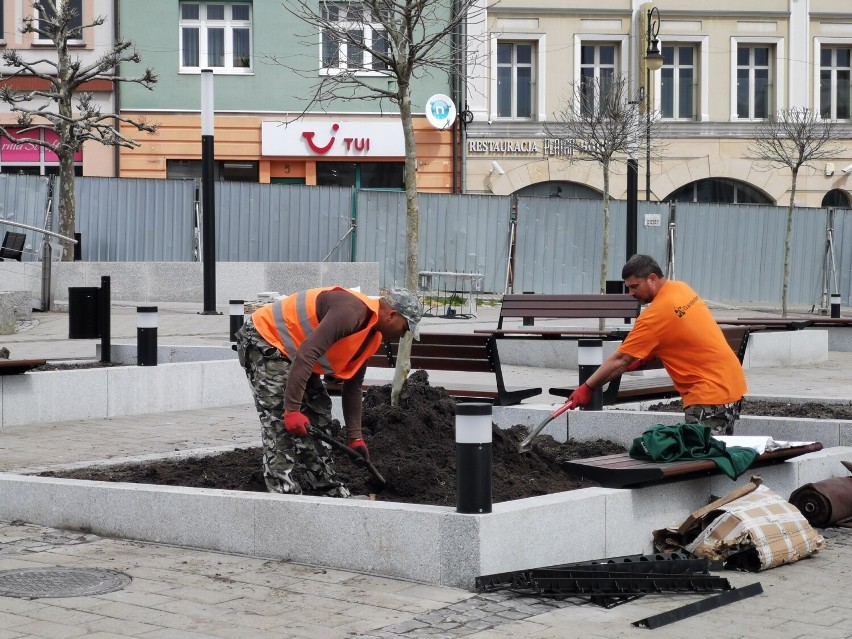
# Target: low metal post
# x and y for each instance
(589, 359)
(473, 458)
(104, 301)
(835, 305)
(237, 314)
(146, 335)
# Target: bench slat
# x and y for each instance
(18, 366)
(621, 471)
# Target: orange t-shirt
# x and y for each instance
(678, 328)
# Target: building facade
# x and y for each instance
(266, 66)
(726, 67)
(31, 159)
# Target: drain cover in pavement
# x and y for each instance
(35, 583)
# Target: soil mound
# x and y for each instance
(412, 445)
(811, 410)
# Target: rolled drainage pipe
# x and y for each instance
(147, 322)
(473, 458)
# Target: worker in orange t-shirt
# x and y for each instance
(678, 329)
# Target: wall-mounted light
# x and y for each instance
(829, 169)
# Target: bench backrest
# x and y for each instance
(568, 306)
(737, 337)
(450, 352)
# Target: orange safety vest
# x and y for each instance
(287, 324)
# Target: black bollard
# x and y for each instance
(835, 305)
(473, 458)
(237, 313)
(146, 335)
(589, 359)
(104, 302)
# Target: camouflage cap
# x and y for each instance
(406, 304)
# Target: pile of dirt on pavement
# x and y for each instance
(812, 410)
(412, 445)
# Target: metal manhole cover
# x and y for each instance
(35, 583)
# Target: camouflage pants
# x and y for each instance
(720, 417)
(267, 371)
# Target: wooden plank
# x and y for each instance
(621, 471)
(18, 366)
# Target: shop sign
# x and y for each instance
(548, 147)
(333, 139)
(29, 152)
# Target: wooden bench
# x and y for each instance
(622, 471)
(634, 388)
(771, 323)
(812, 322)
(460, 352)
(595, 306)
(18, 366)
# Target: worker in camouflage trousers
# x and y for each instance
(286, 346)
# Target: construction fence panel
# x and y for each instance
(283, 223)
(24, 200)
(735, 252)
(133, 219)
(458, 234)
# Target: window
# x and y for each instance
(835, 94)
(515, 80)
(45, 13)
(351, 40)
(226, 171)
(215, 36)
(753, 82)
(362, 175)
(677, 83)
(719, 191)
(597, 73)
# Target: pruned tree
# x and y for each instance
(793, 138)
(63, 76)
(397, 40)
(602, 123)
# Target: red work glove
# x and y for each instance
(360, 446)
(581, 396)
(296, 424)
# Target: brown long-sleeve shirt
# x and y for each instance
(340, 314)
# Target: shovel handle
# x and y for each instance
(353, 454)
(535, 431)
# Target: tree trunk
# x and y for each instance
(788, 243)
(605, 252)
(412, 255)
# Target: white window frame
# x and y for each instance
(819, 43)
(539, 42)
(515, 66)
(367, 28)
(776, 76)
(228, 24)
(621, 63)
(702, 98)
(37, 37)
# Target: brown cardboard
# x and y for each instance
(768, 529)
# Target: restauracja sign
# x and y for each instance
(551, 147)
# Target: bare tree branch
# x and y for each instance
(793, 138)
(55, 106)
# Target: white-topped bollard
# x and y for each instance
(147, 322)
(835, 305)
(589, 359)
(236, 310)
(473, 458)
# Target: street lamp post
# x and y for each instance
(208, 228)
(653, 62)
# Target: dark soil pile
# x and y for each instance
(811, 410)
(412, 445)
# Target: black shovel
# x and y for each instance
(353, 454)
(524, 445)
